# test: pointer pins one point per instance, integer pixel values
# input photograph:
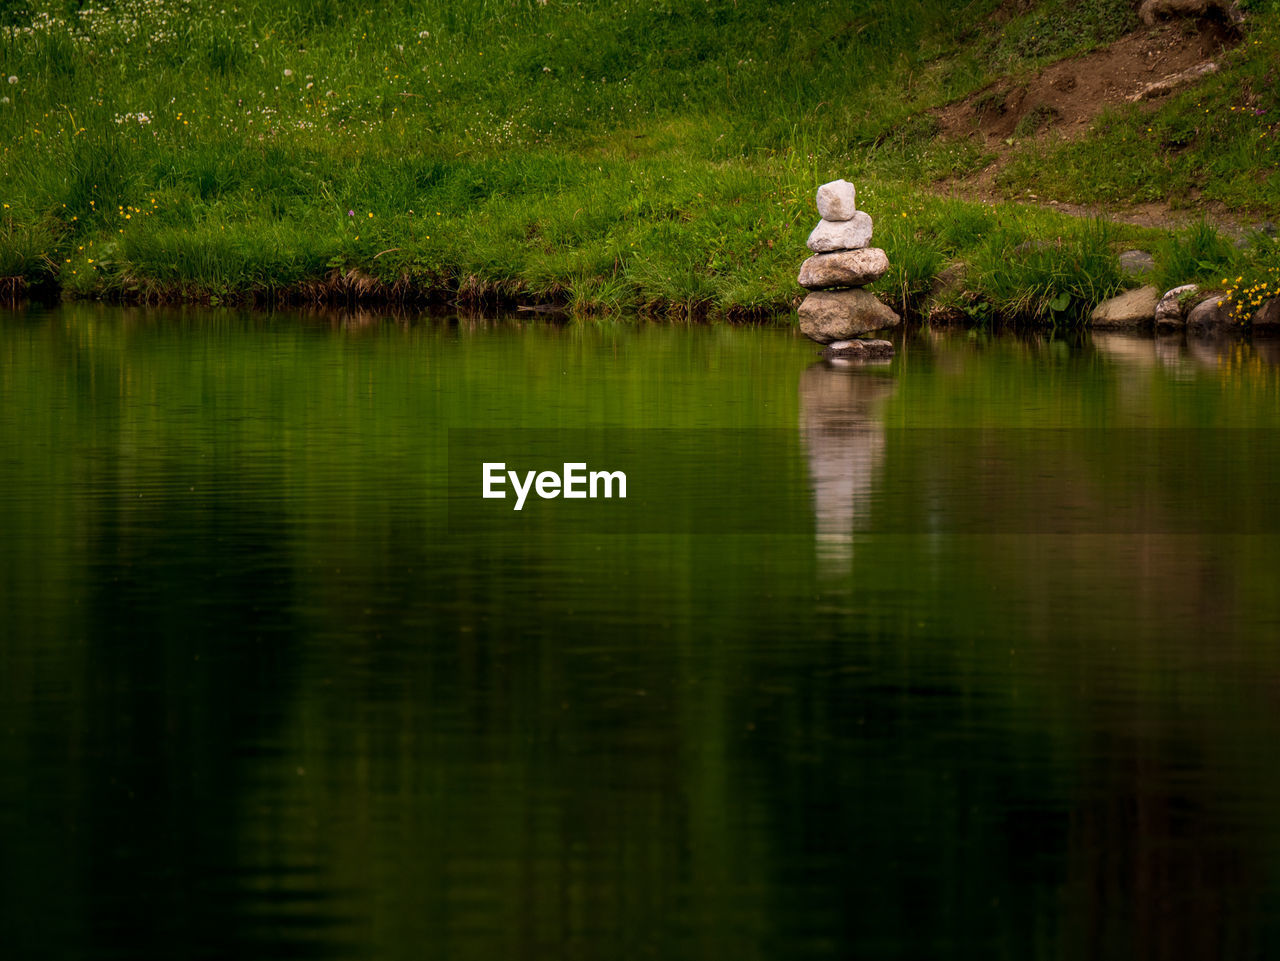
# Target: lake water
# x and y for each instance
(971, 655)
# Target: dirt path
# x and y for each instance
(1161, 216)
(1165, 217)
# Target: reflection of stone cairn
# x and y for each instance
(844, 433)
(838, 310)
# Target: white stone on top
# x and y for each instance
(836, 200)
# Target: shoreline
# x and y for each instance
(487, 305)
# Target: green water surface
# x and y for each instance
(997, 676)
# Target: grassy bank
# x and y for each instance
(604, 155)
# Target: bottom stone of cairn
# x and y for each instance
(827, 316)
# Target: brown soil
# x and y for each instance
(1062, 99)
(1066, 95)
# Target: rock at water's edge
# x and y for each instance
(830, 315)
(1134, 308)
(1212, 313)
(852, 234)
(1267, 317)
(859, 350)
(843, 268)
(1171, 312)
(835, 200)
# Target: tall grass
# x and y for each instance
(1055, 279)
(1197, 254)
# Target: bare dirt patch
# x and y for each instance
(1066, 95)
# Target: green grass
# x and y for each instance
(1055, 279)
(603, 155)
(1198, 254)
(1049, 31)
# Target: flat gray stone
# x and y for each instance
(843, 268)
(1168, 84)
(831, 315)
(1134, 308)
(1135, 263)
(835, 200)
(859, 350)
(949, 281)
(852, 234)
(1171, 312)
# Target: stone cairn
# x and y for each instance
(838, 310)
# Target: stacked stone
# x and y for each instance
(838, 309)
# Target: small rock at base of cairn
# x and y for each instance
(858, 350)
(838, 309)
